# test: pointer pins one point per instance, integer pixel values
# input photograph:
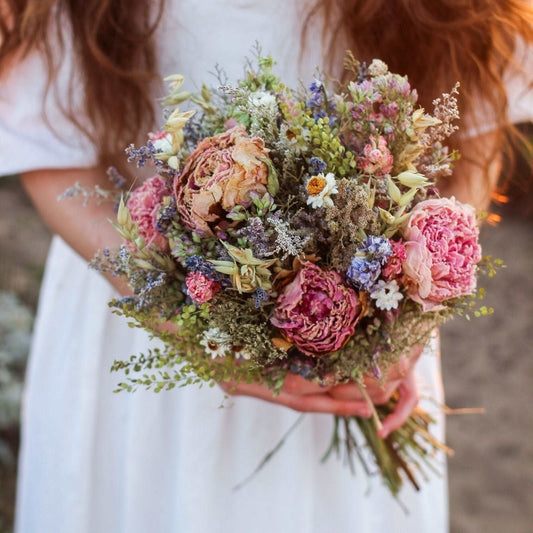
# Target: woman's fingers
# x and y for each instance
(300, 386)
(305, 403)
(408, 398)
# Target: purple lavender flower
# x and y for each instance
(167, 214)
(116, 178)
(148, 153)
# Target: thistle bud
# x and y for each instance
(386, 216)
(141, 263)
(412, 179)
(176, 98)
(206, 95)
(394, 192)
(176, 81)
(407, 198)
(123, 213)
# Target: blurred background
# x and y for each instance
(488, 362)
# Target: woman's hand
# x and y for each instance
(401, 377)
(344, 400)
(301, 395)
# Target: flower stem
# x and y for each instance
(375, 416)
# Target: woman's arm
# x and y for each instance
(85, 228)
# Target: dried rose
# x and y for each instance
(317, 311)
(442, 250)
(223, 171)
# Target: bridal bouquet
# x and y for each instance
(297, 231)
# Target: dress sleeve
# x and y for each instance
(34, 133)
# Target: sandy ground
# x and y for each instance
(487, 362)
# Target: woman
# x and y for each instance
(92, 461)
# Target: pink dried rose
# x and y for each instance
(393, 268)
(317, 311)
(200, 287)
(223, 171)
(144, 204)
(377, 158)
(442, 250)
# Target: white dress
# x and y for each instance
(97, 462)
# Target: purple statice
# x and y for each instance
(371, 255)
(195, 263)
(254, 233)
(378, 248)
(260, 296)
(167, 214)
(316, 166)
(363, 273)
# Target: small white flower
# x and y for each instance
(242, 353)
(386, 294)
(263, 99)
(378, 68)
(320, 188)
(216, 343)
(164, 144)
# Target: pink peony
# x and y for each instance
(317, 311)
(200, 287)
(393, 268)
(442, 251)
(377, 159)
(223, 171)
(144, 204)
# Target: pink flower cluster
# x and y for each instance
(377, 158)
(442, 251)
(200, 287)
(317, 311)
(223, 171)
(144, 204)
(393, 268)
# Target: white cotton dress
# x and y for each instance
(97, 462)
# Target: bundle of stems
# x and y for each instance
(406, 454)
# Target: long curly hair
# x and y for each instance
(434, 42)
(437, 43)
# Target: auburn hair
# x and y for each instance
(114, 47)
(434, 42)
(437, 43)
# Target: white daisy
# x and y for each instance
(216, 343)
(320, 188)
(386, 294)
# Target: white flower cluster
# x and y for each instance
(386, 294)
